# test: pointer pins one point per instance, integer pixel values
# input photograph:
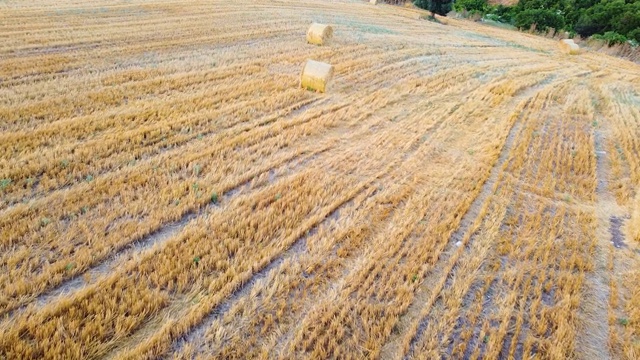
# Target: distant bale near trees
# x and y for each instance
(569, 47)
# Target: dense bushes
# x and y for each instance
(543, 19)
(611, 38)
(614, 21)
(609, 16)
(472, 6)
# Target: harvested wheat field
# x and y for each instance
(168, 190)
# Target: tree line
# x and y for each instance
(615, 21)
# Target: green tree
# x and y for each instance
(587, 26)
(609, 15)
(613, 20)
(440, 7)
(503, 13)
(629, 20)
(541, 5)
(544, 19)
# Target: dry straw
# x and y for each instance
(569, 47)
(319, 34)
(316, 75)
(634, 223)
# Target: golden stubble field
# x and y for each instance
(167, 190)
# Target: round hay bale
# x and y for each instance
(316, 76)
(319, 34)
(374, 2)
(569, 47)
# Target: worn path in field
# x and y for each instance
(592, 342)
(393, 347)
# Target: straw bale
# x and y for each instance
(316, 75)
(569, 47)
(319, 34)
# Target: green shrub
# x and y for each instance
(634, 35)
(472, 6)
(5, 183)
(611, 38)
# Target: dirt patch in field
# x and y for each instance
(617, 237)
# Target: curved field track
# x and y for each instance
(168, 191)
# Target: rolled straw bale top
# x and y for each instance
(569, 47)
(316, 75)
(319, 34)
(374, 2)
